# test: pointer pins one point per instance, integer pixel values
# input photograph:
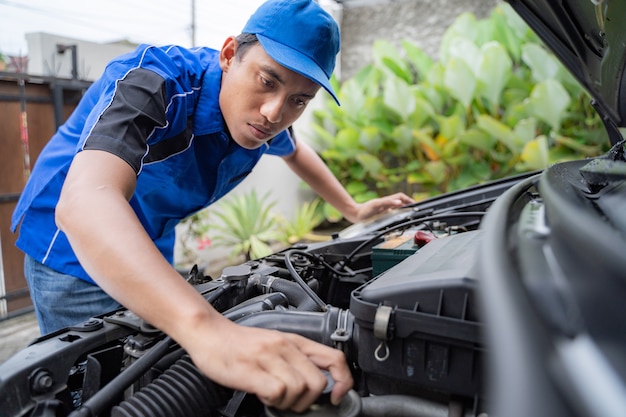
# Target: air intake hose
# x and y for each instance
(181, 391)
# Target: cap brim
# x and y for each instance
(297, 62)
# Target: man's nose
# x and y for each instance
(272, 109)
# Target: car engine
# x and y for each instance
(500, 299)
(398, 295)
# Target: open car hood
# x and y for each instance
(589, 39)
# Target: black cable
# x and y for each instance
(299, 279)
(349, 257)
(406, 224)
(321, 261)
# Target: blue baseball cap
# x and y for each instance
(300, 36)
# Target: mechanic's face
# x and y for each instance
(259, 98)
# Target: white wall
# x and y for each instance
(45, 60)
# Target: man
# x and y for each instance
(163, 133)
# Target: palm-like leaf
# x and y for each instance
(246, 223)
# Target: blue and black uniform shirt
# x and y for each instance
(157, 108)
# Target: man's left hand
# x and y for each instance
(380, 205)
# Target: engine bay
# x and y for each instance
(398, 295)
(474, 303)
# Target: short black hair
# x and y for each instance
(244, 42)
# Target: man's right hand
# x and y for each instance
(282, 369)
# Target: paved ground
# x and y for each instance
(16, 333)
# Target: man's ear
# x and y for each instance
(227, 53)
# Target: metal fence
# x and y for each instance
(31, 109)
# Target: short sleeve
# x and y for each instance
(136, 108)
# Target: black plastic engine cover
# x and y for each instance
(418, 321)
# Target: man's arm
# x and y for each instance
(281, 369)
(305, 162)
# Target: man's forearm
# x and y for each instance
(115, 249)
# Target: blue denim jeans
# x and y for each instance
(63, 300)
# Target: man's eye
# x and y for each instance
(266, 82)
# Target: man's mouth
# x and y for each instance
(260, 132)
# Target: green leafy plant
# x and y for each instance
(246, 223)
(307, 217)
(248, 226)
(495, 104)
